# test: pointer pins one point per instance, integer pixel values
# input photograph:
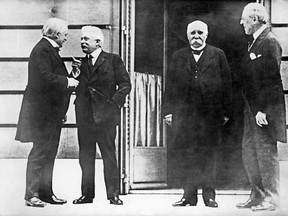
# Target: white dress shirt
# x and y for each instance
(197, 57)
(95, 55)
(256, 35)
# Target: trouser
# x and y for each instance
(260, 159)
(199, 171)
(41, 163)
(105, 137)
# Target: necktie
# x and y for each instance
(250, 42)
(197, 52)
(90, 63)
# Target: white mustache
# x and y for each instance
(196, 39)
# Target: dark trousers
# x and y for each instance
(41, 163)
(260, 159)
(200, 133)
(88, 135)
(199, 171)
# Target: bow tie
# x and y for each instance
(197, 52)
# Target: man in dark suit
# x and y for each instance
(198, 98)
(104, 84)
(264, 110)
(44, 106)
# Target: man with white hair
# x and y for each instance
(45, 103)
(198, 98)
(264, 113)
(103, 86)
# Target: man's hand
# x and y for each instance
(261, 119)
(225, 120)
(73, 83)
(168, 119)
(76, 67)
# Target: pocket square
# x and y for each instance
(253, 56)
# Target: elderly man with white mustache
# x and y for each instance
(198, 98)
(103, 86)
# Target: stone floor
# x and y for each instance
(67, 181)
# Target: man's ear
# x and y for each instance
(99, 42)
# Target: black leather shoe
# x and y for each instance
(53, 200)
(115, 200)
(35, 202)
(211, 203)
(248, 204)
(184, 202)
(83, 200)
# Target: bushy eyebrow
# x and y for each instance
(85, 38)
(198, 31)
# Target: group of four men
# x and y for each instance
(198, 98)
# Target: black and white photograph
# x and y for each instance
(143, 107)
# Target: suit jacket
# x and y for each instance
(262, 85)
(214, 80)
(102, 91)
(46, 97)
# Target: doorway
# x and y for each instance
(225, 32)
(160, 30)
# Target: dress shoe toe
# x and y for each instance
(184, 202)
(35, 202)
(264, 206)
(116, 201)
(248, 204)
(53, 200)
(83, 200)
(211, 203)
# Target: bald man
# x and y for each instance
(198, 99)
(103, 86)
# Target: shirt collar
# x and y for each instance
(52, 42)
(96, 53)
(259, 31)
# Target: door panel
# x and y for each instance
(148, 155)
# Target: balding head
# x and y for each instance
(197, 33)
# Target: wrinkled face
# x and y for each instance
(197, 34)
(88, 43)
(61, 37)
(248, 23)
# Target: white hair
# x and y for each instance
(198, 23)
(258, 10)
(53, 27)
(93, 31)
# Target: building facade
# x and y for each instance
(145, 33)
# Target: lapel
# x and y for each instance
(259, 40)
(100, 60)
(85, 67)
(55, 54)
(205, 59)
(190, 61)
(255, 46)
